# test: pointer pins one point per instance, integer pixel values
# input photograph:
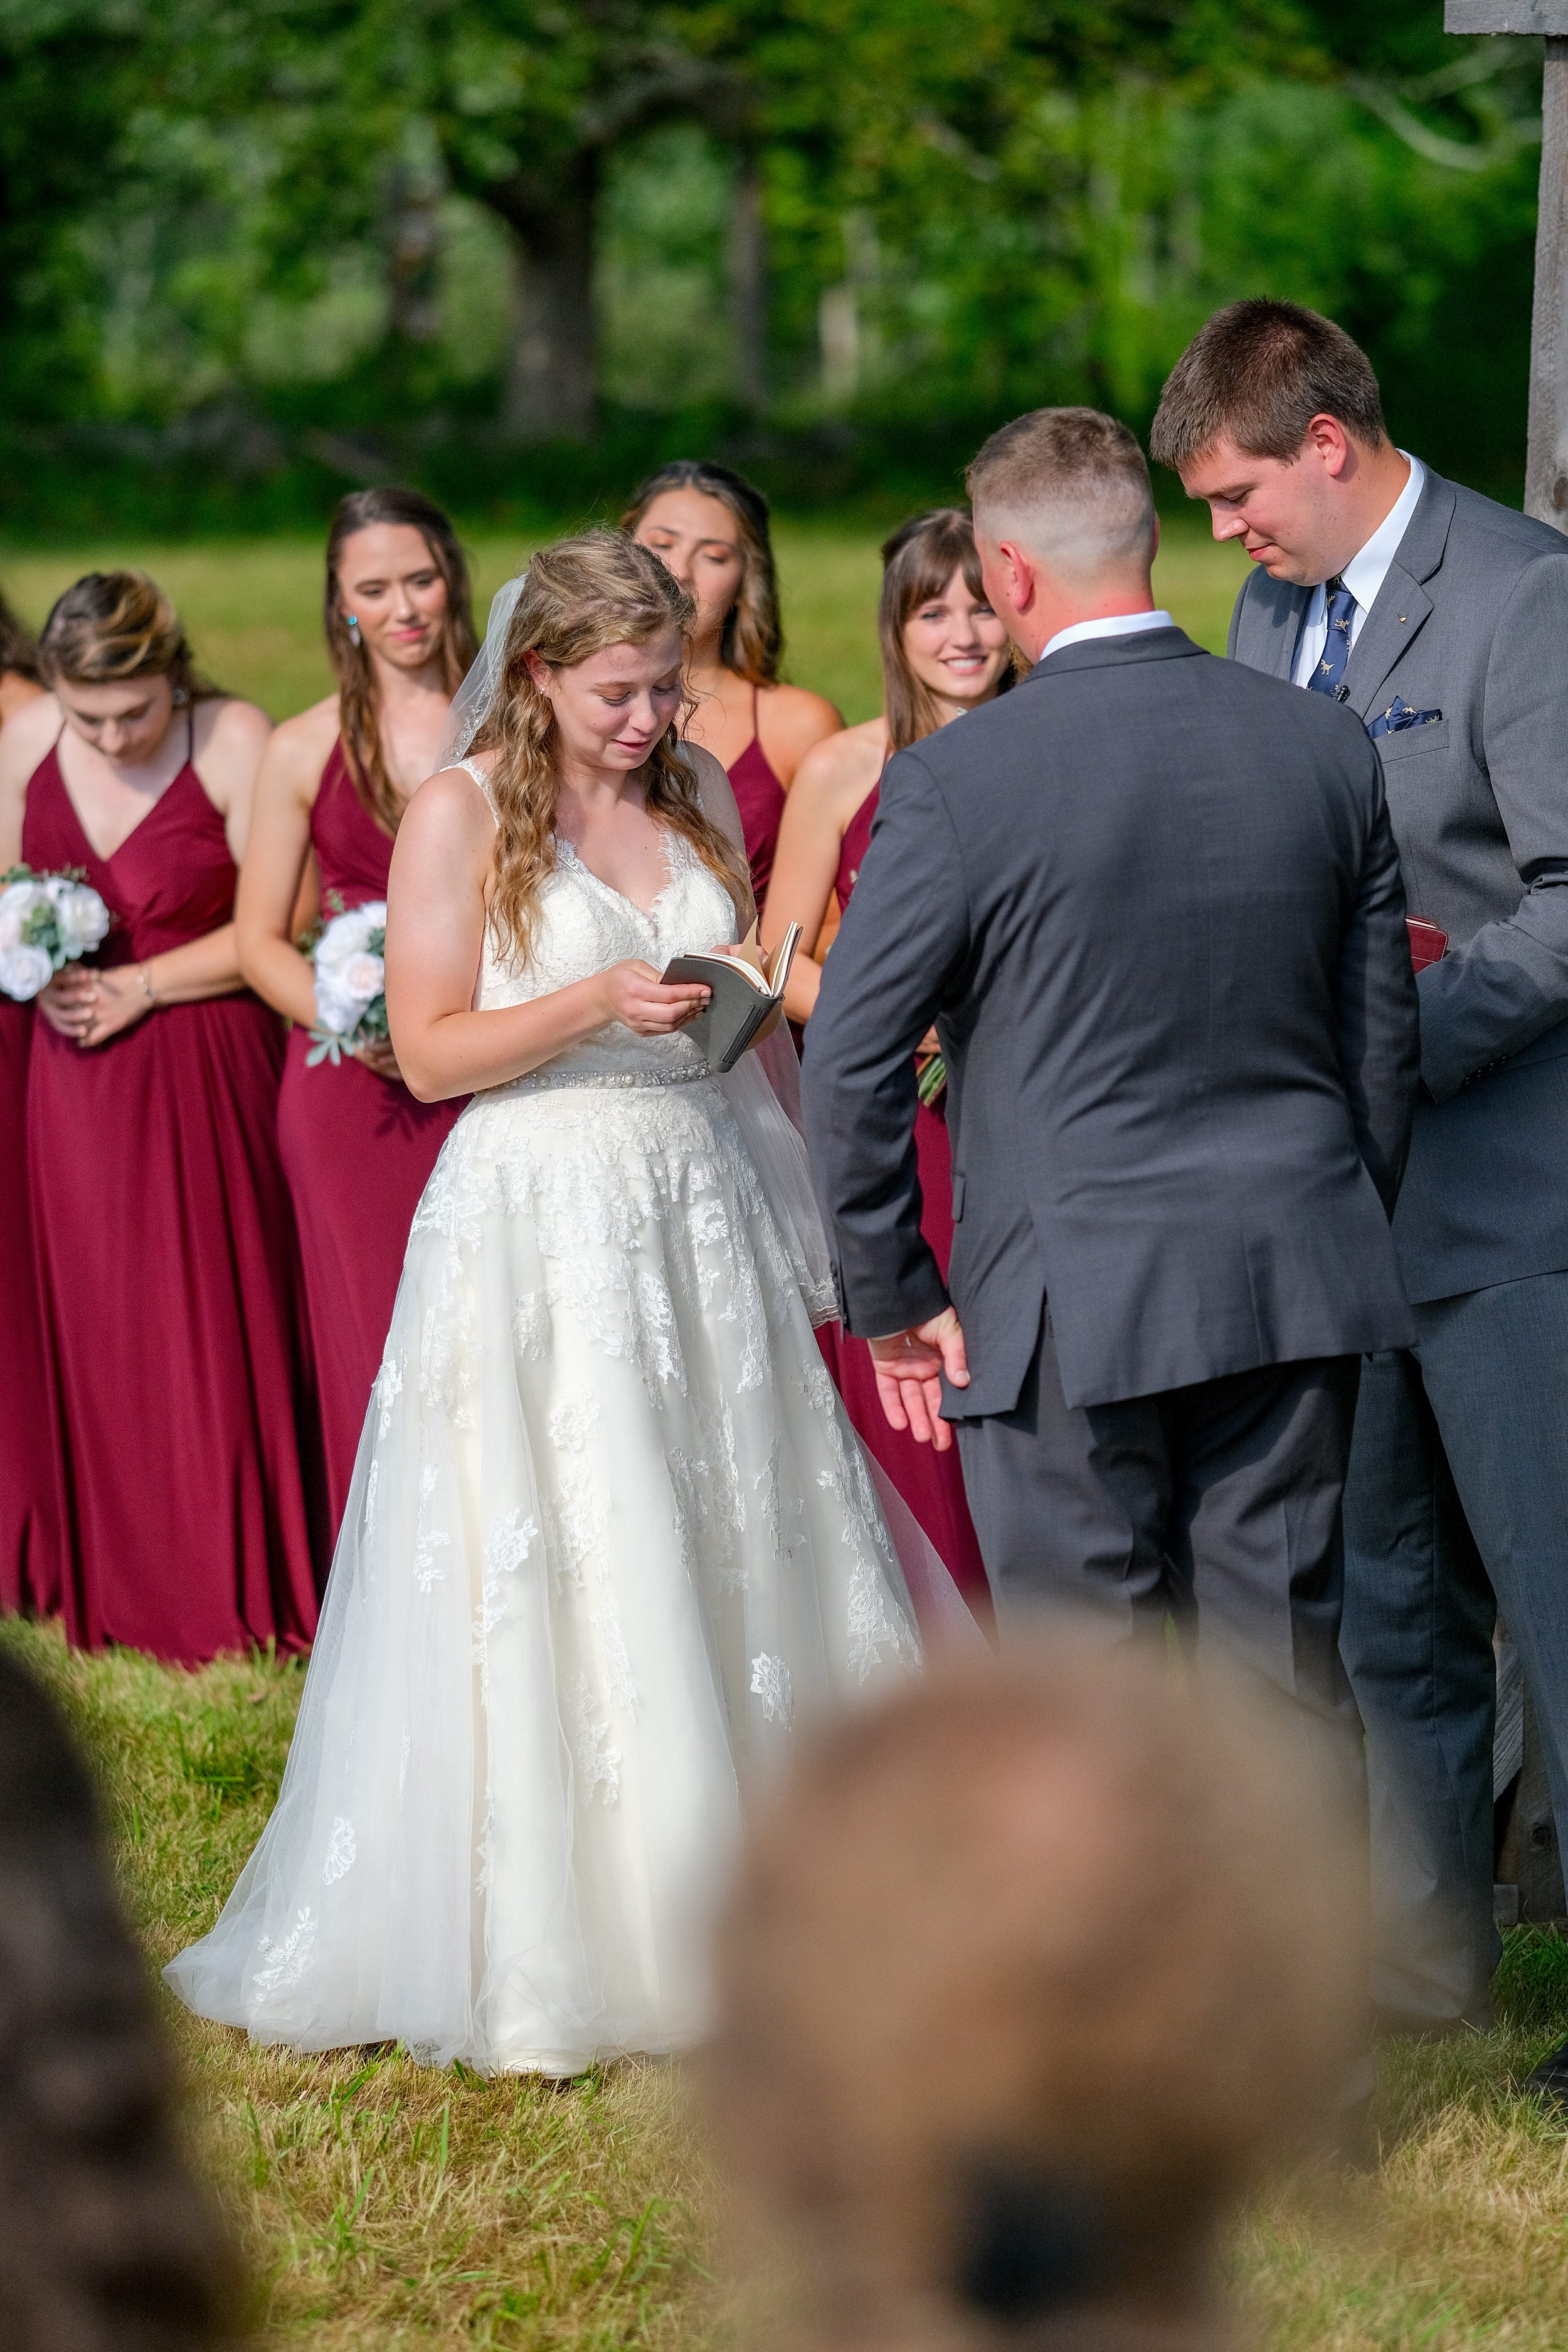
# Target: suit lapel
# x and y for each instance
(1394, 623)
(1402, 605)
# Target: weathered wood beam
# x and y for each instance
(1546, 466)
(1548, 17)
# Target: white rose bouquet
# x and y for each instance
(46, 920)
(350, 983)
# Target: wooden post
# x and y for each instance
(1546, 477)
(1530, 1857)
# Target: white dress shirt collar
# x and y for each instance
(1365, 575)
(1115, 625)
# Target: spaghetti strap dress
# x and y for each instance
(358, 1151)
(759, 797)
(931, 1483)
(168, 1274)
(29, 1450)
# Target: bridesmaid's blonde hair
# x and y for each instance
(112, 626)
(582, 594)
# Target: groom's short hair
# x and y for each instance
(1071, 484)
(1257, 374)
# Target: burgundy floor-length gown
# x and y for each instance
(759, 797)
(168, 1274)
(29, 1455)
(931, 1483)
(358, 1151)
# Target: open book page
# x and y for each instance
(746, 999)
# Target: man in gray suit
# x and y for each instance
(1151, 903)
(1440, 620)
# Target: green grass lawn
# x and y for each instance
(252, 607)
(379, 2201)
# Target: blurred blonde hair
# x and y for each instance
(112, 626)
(1025, 1976)
(578, 597)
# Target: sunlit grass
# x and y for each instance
(384, 2202)
(252, 607)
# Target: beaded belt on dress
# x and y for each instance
(543, 1081)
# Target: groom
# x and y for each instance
(1153, 904)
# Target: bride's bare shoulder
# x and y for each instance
(450, 810)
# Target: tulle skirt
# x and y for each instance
(610, 1541)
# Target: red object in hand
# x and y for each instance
(1427, 943)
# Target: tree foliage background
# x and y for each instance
(513, 246)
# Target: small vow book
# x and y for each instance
(1428, 944)
(747, 1003)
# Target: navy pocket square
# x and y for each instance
(1397, 717)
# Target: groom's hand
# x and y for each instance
(909, 1367)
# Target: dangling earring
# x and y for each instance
(354, 637)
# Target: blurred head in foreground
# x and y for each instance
(1028, 1974)
(105, 2244)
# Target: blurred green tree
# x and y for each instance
(329, 216)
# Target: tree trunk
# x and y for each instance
(414, 240)
(552, 365)
(749, 288)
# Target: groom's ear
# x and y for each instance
(1010, 575)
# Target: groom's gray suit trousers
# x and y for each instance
(1216, 1505)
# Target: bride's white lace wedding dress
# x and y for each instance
(610, 1534)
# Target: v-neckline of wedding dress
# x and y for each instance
(649, 914)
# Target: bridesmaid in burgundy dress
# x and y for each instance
(709, 526)
(357, 1147)
(167, 1266)
(943, 653)
(29, 1504)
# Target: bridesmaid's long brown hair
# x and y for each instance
(358, 701)
(579, 596)
(917, 562)
(751, 643)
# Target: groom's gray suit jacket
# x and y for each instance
(1152, 903)
(1471, 622)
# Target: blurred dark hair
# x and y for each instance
(1257, 374)
(112, 626)
(106, 2245)
(751, 643)
(358, 699)
(917, 562)
(18, 648)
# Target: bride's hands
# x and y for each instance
(631, 995)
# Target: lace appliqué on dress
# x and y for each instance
(771, 1683)
(598, 1764)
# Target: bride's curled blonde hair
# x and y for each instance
(580, 596)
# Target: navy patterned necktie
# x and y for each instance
(1329, 675)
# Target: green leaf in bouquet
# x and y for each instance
(326, 1045)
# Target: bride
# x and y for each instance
(609, 1533)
